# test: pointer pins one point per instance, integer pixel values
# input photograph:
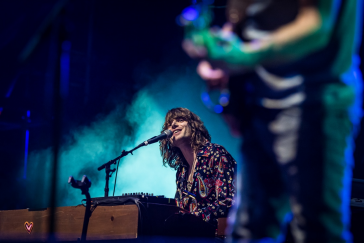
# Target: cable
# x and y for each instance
(116, 176)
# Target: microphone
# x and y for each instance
(165, 134)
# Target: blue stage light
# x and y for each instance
(205, 97)
(190, 13)
(26, 147)
(218, 108)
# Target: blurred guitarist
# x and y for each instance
(302, 108)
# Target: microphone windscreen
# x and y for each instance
(169, 133)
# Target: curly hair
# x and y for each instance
(173, 156)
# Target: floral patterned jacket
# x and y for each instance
(212, 191)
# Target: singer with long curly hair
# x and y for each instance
(205, 171)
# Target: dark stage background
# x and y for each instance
(118, 48)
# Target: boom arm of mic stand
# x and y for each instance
(113, 161)
(108, 171)
(124, 153)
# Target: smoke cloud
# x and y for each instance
(124, 128)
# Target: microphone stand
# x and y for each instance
(84, 185)
(109, 171)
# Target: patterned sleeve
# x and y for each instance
(221, 194)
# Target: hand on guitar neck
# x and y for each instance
(215, 78)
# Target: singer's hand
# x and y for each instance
(183, 211)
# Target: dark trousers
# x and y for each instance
(297, 165)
